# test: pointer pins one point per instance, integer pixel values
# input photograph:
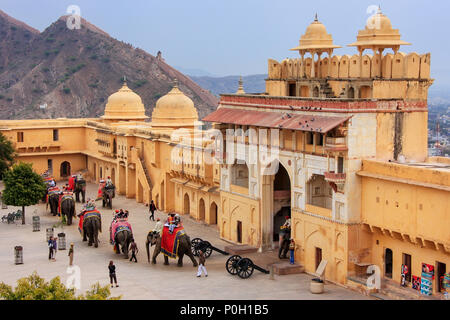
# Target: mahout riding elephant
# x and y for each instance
(53, 201)
(108, 194)
(80, 187)
(154, 238)
(92, 225)
(122, 239)
(68, 208)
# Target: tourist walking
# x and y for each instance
(134, 250)
(291, 251)
(152, 209)
(71, 254)
(112, 273)
(50, 248)
(201, 264)
(55, 247)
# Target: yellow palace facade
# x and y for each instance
(346, 145)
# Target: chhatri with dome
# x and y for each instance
(350, 165)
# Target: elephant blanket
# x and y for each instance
(170, 242)
(100, 189)
(117, 226)
(65, 195)
(52, 190)
(87, 215)
(72, 180)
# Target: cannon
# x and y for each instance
(243, 267)
(198, 244)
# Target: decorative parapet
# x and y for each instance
(336, 180)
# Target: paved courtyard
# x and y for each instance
(143, 280)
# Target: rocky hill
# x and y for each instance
(229, 84)
(70, 73)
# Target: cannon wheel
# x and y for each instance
(194, 244)
(206, 247)
(245, 268)
(232, 264)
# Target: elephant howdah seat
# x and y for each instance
(170, 241)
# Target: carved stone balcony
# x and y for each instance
(336, 180)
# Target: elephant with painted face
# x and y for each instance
(68, 208)
(154, 239)
(80, 187)
(92, 225)
(53, 201)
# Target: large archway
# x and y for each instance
(281, 200)
(201, 209)
(213, 213)
(65, 169)
(186, 207)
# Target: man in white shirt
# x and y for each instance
(158, 226)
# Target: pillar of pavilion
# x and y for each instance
(378, 36)
(316, 40)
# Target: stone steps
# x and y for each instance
(285, 268)
(397, 292)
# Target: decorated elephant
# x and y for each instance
(90, 225)
(67, 206)
(80, 187)
(53, 201)
(108, 194)
(180, 246)
(121, 235)
(285, 237)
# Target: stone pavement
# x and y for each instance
(143, 280)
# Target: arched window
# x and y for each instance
(316, 92)
(351, 93)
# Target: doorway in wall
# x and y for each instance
(213, 213)
(407, 263)
(388, 263)
(292, 89)
(441, 269)
(65, 169)
(50, 166)
(187, 209)
(239, 231)
(318, 257)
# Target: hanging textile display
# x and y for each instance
(416, 283)
(426, 286)
(404, 274)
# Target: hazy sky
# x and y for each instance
(236, 37)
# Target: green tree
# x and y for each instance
(34, 287)
(23, 187)
(7, 154)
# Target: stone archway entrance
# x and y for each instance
(65, 169)
(281, 200)
(276, 195)
(186, 207)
